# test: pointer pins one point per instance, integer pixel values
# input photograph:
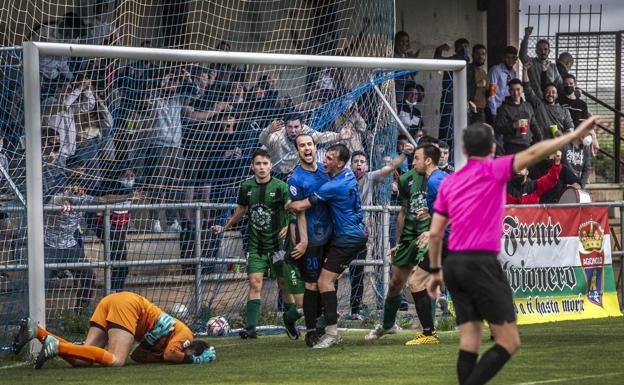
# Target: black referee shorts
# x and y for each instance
(338, 258)
(478, 287)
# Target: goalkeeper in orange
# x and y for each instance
(118, 321)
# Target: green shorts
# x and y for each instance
(260, 263)
(408, 254)
(293, 283)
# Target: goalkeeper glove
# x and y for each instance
(208, 355)
(162, 328)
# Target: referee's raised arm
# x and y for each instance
(538, 151)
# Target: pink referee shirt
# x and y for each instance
(473, 199)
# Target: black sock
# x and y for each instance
(319, 307)
(311, 300)
(466, 361)
(490, 363)
(330, 307)
(422, 302)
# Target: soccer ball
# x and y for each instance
(218, 327)
(179, 311)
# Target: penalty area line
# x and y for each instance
(14, 365)
(554, 380)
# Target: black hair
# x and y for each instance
(443, 145)
(514, 81)
(428, 139)
(543, 41)
(510, 50)
(412, 85)
(342, 150)
(303, 134)
(398, 37)
(292, 117)
(260, 152)
(430, 151)
(569, 76)
(199, 347)
(549, 85)
(459, 43)
(477, 47)
(478, 139)
(359, 153)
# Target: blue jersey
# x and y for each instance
(342, 195)
(433, 185)
(301, 185)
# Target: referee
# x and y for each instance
(473, 200)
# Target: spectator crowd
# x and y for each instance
(185, 133)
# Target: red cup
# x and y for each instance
(524, 126)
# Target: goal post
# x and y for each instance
(33, 123)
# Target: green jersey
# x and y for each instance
(265, 210)
(413, 195)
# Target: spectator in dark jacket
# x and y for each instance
(516, 122)
(552, 118)
(525, 191)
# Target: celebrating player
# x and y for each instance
(473, 200)
(263, 197)
(315, 229)
(349, 237)
(118, 320)
(417, 190)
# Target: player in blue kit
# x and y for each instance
(315, 229)
(349, 234)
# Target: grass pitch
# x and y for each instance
(588, 352)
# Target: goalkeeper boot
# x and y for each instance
(248, 333)
(48, 350)
(27, 331)
(422, 339)
(327, 341)
(379, 332)
(312, 337)
(292, 331)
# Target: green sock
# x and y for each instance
(292, 315)
(391, 306)
(253, 309)
(320, 322)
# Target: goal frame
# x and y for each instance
(32, 93)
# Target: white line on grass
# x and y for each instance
(569, 379)
(14, 365)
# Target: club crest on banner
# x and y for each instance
(592, 256)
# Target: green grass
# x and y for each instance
(588, 352)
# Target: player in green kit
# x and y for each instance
(289, 278)
(412, 222)
(262, 198)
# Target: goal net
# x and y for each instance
(167, 143)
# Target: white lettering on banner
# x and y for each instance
(539, 278)
(541, 234)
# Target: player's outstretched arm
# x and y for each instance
(538, 151)
(298, 206)
(238, 213)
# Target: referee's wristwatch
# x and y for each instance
(434, 270)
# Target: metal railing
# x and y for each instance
(200, 261)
